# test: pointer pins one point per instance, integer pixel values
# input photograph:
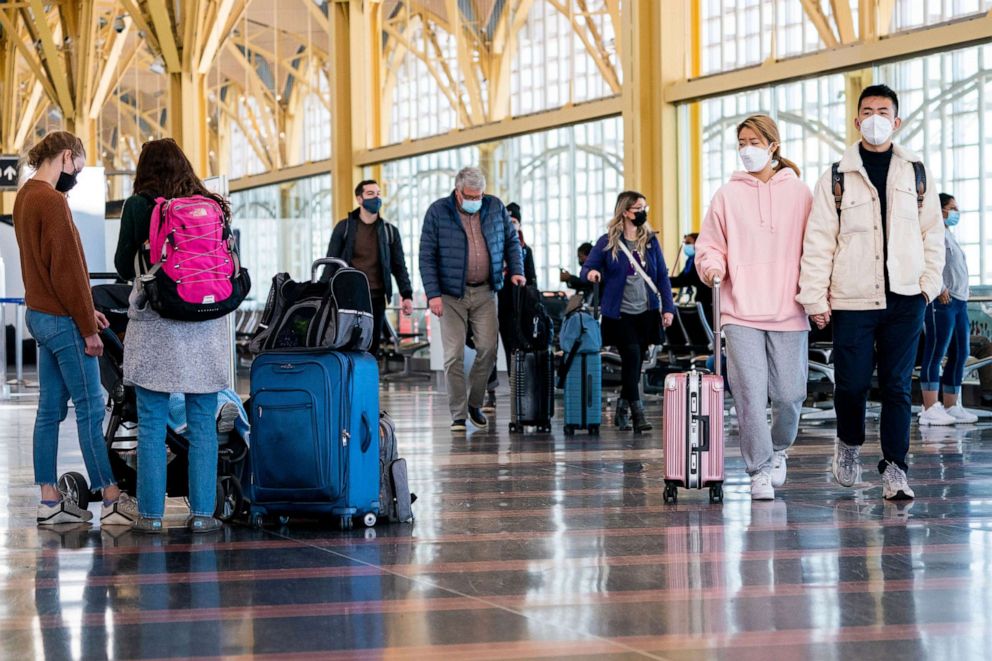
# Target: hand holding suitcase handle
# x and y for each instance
(325, 261)
(717, 348)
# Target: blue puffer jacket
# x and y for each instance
(444, 246)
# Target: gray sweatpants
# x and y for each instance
(763, 365)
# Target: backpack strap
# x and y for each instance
(837, 179)
(921, 183)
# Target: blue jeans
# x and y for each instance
(948, 332)
(64, 371)
(888, 338)
(153, 417)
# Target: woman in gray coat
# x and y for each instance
(164, 356)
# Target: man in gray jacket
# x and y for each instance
(465, 240)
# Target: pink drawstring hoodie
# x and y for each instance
(753, 234)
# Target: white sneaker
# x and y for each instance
(962, 415)
(894, 484)
(936, 415)
(779, 467)
(62, 512)
(847, 463)
(121, 512)
(761, 487)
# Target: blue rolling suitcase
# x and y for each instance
(315, 436)
(581, 373)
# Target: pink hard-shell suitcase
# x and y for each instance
(693, 425)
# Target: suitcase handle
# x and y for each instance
(717, 348)
(366, 432)
(325, 261)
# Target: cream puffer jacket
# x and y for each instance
(842, 260)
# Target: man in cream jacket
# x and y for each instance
(870, 265)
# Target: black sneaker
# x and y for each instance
(458, 425)
(477, 417)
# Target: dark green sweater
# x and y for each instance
(136, 219)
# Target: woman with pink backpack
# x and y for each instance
(167, 355)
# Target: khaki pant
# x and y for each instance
(478, 308)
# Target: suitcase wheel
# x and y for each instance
(257, 520)
(544, 429)
(569, 430)
(716, 493)
(283, 520)
(594, 430)
(514, 428)
(671, 493)
(369, 519)
(345, 522)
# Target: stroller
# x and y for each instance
(121, 432)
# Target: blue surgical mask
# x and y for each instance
(689, 250)
(471, 206)
(952, 218)
(372, 205)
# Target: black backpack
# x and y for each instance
(837, 178)
(534, 328)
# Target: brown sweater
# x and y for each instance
(366, 255)
(53, 265)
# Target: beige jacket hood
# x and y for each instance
(842, 264)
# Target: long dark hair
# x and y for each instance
(163, 170)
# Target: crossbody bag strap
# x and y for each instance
(640, 271)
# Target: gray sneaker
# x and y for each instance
(227, 417)
(895, 486)
(121, 512)
(204, 524)
(148, 525)
(779, 467)
(847, 463)
(63, 511)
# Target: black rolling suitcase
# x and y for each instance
(532, 378)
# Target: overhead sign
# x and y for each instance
(8, 172)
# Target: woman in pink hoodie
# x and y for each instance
(752, 238)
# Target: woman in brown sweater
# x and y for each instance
(63, 321)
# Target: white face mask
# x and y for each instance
(876, 129)
(755, 158)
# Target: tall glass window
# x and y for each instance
(911, 14)
(283, 227)
(946, 107)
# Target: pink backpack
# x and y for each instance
(195, 271)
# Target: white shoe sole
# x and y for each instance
(927, 422)
(857, 476)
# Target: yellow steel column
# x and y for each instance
(854, 82)
(695, 123)
(654, 54)
(187, 117)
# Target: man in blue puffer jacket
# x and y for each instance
(465, 240)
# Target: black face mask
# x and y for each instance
(640, 217)
(66, 181)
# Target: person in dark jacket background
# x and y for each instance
(589, 291)
(689, 278)
(464, 243)
(507, 327)
(630, 306)
(368, 243)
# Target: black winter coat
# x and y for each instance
(391, 258)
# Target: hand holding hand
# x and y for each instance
(944, 298)
(594, 276)
(821, 320)
(437, 306)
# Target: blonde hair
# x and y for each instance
(54, 144)
(614, 230)
(766, 127)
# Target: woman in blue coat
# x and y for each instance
(630, 302)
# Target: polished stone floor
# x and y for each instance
(529, 547)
